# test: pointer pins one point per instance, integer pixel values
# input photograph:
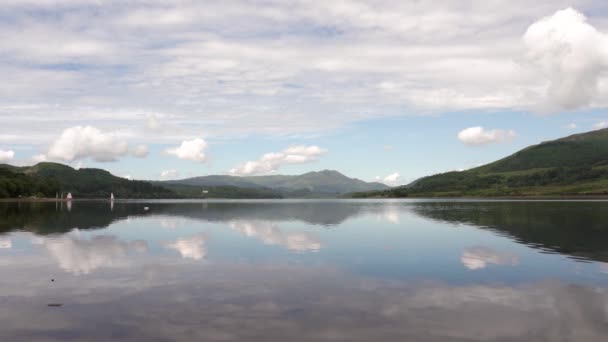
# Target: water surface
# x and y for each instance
(408, 270)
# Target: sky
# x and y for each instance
(379, 90)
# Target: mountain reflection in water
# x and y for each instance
(304, 271)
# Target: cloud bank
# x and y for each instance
(335, 63)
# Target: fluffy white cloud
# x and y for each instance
(477, 136)
(600, 125)
(391, 179)
(571, 55)
(193, 150)
(479, 257)
(270, 162)
(169, 174)
(572, 126)
(140, 151)
(190, 248)
(87, 142)
(6, 156)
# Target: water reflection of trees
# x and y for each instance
(49, 218)
(577, 229)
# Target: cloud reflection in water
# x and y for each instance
(479, 257)
(270, 234)
(193, 247)
(5, 243)
(80, 256)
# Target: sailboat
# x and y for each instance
(112, 196)
(68, 197)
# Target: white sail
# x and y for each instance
(69, 196)
(111, 196)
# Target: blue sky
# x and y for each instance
(393, 90)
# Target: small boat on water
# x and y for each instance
(68, 197)
(111, 196)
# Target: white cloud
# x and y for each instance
(572, 126)
(190, 248)
(477, 136)
(153, 124)
(571, 56)
(479, 257)
(193, 150)
(391, 179)
(169, 174)
(129, 177)
(6, 156)
(197, 71)
(39, 158)
(140, 151)
(87, 142)
(271, 162)
(600, 125)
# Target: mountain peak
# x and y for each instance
(328, 173)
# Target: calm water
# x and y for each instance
(304, 271)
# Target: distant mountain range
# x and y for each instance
(326, 183)
(574, 165)
(48, 179)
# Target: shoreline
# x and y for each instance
(485, 198)
(39, 199)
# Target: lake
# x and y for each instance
(289, 270)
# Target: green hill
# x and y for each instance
(574, 165)
(326, 183)
(48, 179)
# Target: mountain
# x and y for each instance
(326, 183)
(48, 179)
(574, 165)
